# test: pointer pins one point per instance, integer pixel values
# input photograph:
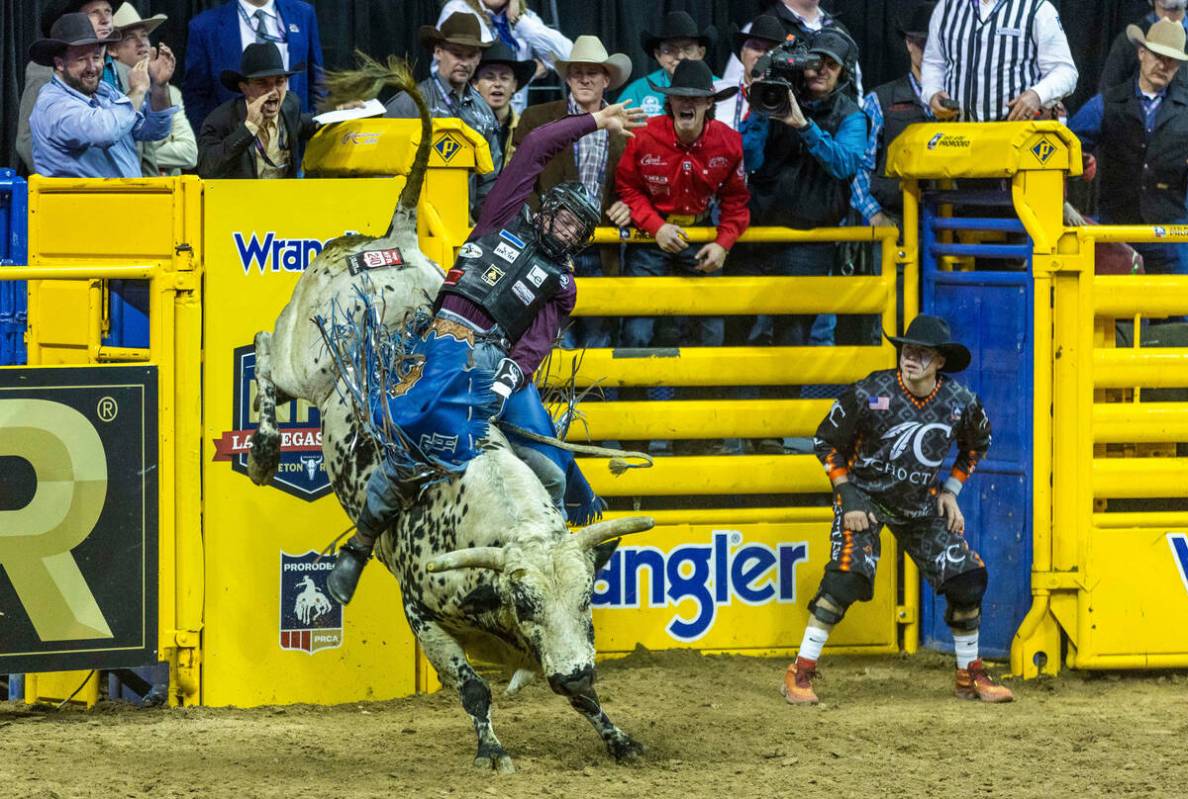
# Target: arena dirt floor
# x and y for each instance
(714, 726)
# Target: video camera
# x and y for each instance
(780, 69)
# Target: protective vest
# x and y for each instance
(791, 188)
(505, 274)
(901, 107)
(1143, 178)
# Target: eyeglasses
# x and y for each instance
(688, 51)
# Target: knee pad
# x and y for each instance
(963, 594)
(839, 590)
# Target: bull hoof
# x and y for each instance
(263, 457)
(625, 749)
(495, 760)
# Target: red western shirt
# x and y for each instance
(658, 176)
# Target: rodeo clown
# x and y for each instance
(507, 298)
(882, 445)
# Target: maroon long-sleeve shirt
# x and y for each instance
(515, 184)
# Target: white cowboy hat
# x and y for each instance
(1165, 38)
(127, 17)
(590, 50)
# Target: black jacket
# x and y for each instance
(225, 143)
(1143, 179)
(901, 107)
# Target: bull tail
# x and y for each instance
(366, 82)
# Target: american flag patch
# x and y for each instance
(878, 403)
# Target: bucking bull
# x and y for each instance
(485, 561)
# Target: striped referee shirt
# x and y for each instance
(985, 53)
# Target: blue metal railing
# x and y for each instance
(14, 250)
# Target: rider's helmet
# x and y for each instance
(575, 198)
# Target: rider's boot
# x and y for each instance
(348, 568)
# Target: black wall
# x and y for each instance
(380, 27)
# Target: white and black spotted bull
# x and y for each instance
(485, 561)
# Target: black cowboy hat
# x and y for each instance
(933, 332)
(677, 25)
(459, 28)
(259, 60)
(693, 79)
(500, 53)
(55, 9)
(916, 23)
(69, 30)
(765, 27)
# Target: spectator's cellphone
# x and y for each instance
(950, 104)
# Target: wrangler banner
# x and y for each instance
(78, 518)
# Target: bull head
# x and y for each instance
(588, 538)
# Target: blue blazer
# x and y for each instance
(213, 45)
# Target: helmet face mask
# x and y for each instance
(566, 221)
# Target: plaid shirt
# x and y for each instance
(590, 154)
(861, 198)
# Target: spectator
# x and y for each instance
(1121, 65)
(801, 166)
(115, 74)
(765, 33)
(497, 78)
(456, 47)
(669, 175)
(178, 150)
(589, 74)
(1137, 131)
(217, 38)
(890, 108)
(261, 133)
(81, 126)
(521, 29)
(679, 39)
(968, 60)
(800, 19)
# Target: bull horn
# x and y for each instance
(476, 558)
(595, 534)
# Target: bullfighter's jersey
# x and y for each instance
(891, 443)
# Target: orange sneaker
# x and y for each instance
(975, 683)
(798, 682)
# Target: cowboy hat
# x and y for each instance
(677, 25)
(693, 79)
(590, 50)
(933, 332)
(126, 17)
(55, 9)
(69, 30)
(259, 60)
(459, 28)
(916, 23)
(1165, 38)
(500, 53)
(765, 27)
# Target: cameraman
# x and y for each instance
(801, 163)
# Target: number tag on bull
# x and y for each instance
(374, 259)
(507, 252)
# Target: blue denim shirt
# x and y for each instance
(92, 137)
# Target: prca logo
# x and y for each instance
(310, 620)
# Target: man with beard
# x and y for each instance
(179, 150)
(262, 133)
(81, 126)
(456, 47)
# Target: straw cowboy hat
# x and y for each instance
(70, 30)
(933, 332)
(126, 17)
(1165, 38)
(693, 79)
(590, 50)
(500, 53)
(259, 60)
(459, 28)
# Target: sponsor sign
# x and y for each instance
(537, 276)
(301, 471)
(374, 259)
(78, 518)
(947, 140)
(493, 275)
(507, 253)
(470, 250)
(523, 293)
(447, 146)
(1043, 150)
(310, 619)
(1179, 547)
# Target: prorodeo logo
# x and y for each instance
(447, 146)
(711, 575)
(949, 140)
(1043, 150)
(310, 620)
(301, 471)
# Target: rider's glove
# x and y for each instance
(508, 377)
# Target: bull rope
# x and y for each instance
(618, 457)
